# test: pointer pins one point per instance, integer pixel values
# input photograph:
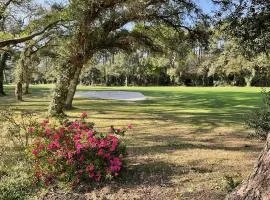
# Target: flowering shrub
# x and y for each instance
(75, 151)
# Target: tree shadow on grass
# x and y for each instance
(145, 180)
(147, 174)
(150, 173)
(175, 146)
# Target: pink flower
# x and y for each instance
(78, 147)
(107, 155)
(35, 152)
(48, 132)
(114, 141)
(112, 148)
(93, 142)
(81, 159)
(77, 137)
(76, 124)
(103, 143)
(115, 165)
(53, 145)
(98, 176)
(61, 131)
(130, 126)
(111, 128)
(41, 147)
(84, 115)
(91, 175)
(56, 136)
(90, 134)
(90, 168)
(31, 129)
(100, 152)
(44, 122)
(115, 168)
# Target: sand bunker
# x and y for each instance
(115, 95)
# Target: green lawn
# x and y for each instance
(184, 142)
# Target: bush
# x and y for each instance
(74, 151)
(16, 125)
(260, 119)
(230, 183)
(16, 183)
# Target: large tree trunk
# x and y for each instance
(72, 88)
(58, 102)
(257, 187)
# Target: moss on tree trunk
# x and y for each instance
(66, 75)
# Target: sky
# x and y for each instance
(206, 5)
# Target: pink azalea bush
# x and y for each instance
(75, 152)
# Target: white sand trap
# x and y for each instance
(115, 95)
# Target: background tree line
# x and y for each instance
(216, 62)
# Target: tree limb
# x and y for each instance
(26, 38)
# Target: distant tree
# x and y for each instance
(3, 59)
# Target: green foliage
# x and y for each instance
(230, 183)
(260, 119)
(16, 183)
(17, 127)
(248, 22)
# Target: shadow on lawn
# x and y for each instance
(150, 173)
(171, 147)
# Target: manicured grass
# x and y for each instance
(184, 142)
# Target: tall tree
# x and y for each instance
(249, 22)
(99, 25)
(22, 21)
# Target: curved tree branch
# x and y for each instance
(26, 38)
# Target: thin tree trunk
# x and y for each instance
(72, 88)
(256, 187)
(3, 59)
(26, 90)
(19, 77)
(2, 81)
(19, 91)
(126, 81)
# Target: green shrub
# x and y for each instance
(230, 183)
(16, 126)
(16, 182)
(260, 119)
